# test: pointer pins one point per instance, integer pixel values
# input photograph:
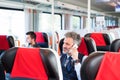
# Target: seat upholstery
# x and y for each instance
(91, 65)
(47, 56)
(42, 39)
(2, 73)
(115, 46)
(86, 46)
(101, 66)
(102, 40)
(6, 42)
(61, 44)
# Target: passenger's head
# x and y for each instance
(30, 37)
(71, 38)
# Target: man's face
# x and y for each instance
(28, 39)
(68, 43)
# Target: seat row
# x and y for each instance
(48, 60)
(8, 41)
(44, 64)
(91, 42)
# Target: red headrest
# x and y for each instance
(39, 37)
(99, 39)
(28, 64)
(109, 68)
(3, 42)
(83, 48)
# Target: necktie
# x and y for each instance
(69, 64)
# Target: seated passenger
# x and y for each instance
(31, 40)
(71, 59)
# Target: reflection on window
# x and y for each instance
(12, 23)
(45, 21)
(75, 22)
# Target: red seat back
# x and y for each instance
(99, 39)
(101, 66)
(39, 37)
(31, 63)
(28, 64)
(102, 40)
(83, 48)
(109, 68)
(42, 39)
(4, 45)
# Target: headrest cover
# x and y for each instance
(39, 37)
(4, 45)
(83, 48)
(99, 39)
(28, 64)
(109, 68)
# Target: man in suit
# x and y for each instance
(70, 57)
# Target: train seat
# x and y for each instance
(102, 40)
(115, 46)
(86, 46)
(42, 39)
(31, 64)
(2, 73)
(101, 66)
(6, 42)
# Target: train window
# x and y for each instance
(76, 22)
(92, 22)
(45, 20)
(111, 21)
(106, 22)
(12, 23)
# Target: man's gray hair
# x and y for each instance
(76, 37)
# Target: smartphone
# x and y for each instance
(74, 46)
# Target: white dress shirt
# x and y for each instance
(78, 67)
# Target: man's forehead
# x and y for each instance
(68, 40)
(27, 36)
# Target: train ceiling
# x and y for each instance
(106, 6)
